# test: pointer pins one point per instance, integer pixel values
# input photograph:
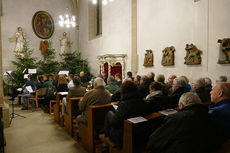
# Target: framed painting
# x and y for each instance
(43, 25)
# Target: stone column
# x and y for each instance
(1, 81)
(134, 59)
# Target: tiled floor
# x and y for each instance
(38, 133)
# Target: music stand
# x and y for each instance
(13, 114)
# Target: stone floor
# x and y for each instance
(38, 133)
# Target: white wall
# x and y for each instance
(116, 32)
(161, 23)
(19, 13)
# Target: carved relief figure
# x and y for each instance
(168, 56)
(19, 40)
(148, 61)
(192, 55)
(225, 47)
(63, 43)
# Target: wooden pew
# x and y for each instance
(56, 108)
(96, 118)
(225, 148)
(136, 135)
(68, 117)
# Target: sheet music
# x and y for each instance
(19, 89)
(29, 88)
(168, 111)
(137, 119)
(32, 71)
(26, 76)
(7, 73)
(115, 106)
(63, 72)
(63, 93)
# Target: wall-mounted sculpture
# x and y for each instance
(148, 61)
(225, 47)
(168, 56)
(192, 55)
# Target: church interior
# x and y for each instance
(114, 76)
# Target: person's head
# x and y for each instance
(45, 77)
(82, 74)
(198, 83)
(118, 77)
(220, 91)
(19, 29)
(137, 79)
(51, 77)
(40, 78)
(185, 78)
(62, 80)
(171, 78)
(188, 99)
(129, 74)
(208, 81)
(178, 83)
(29, 77)
(160, 78)
(76, 81)
(144, 78)
(151, 75)
(128, 87)
(70, 77)
(154, 86)
(110, 79)
(222, 79)
(98, 82)
(64, 34)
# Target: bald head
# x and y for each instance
(98, 82)
(220, 91)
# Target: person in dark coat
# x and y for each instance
(220, 95)
(157, 103)
(208, 85)
(190, 130)
(131, 105)
(144, 86)
(199, 88)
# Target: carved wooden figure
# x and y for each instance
(168, 56)
(225, 47)
(148, 61)
(192, 55)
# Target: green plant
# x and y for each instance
(74, 63)
(23, 61)
(49, 64)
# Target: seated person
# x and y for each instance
(220, 95)
(70, 83)
(97, 96)
(208, 85)
(62, 84)
(27, 94)
(188, 86)
(158, 103)
(118, 79)
(111, 85)
(199, 88)
(190, 130)
(143, 88)
(222, 79)
(131, 105)
(76, 91)
(154, 90)
(83, 77)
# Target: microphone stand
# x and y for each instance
(13, 114)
